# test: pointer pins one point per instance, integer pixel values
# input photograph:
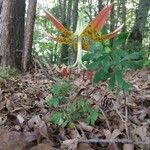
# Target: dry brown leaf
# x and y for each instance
(43, 147)
(69, 144)
(35, 121)
(115, 134)
(78, 82)
(128, 147)
(9, 105)
(107, 134)
(84, 146)
(11, 141)
(74, 134)
(42, 130)
(30, 136)
(112, 147)
(141, 131)
(85, 126)
(2, 120)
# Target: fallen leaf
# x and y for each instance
(85, 126)
(112, 147)
(2, 120)
(11, 141)
(84, 146)
(69, 144)
(43, 147)
(128, 147)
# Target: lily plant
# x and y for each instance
(83, 34)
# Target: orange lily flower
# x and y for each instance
(81, 36)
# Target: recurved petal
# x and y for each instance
(112, 34)
(101, 18)
(57, 24)
(60, 39)
(98, 22)
(107, 36)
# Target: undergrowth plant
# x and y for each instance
(71, 111)
(59, 92)
(6, 72)
(110, 65)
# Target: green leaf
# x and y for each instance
(125, 87)
(118, 76)
(92, 66)
(54, 101)
(111, 83)
(61, 88)
(57, 118)
(91, 119)
(87, 57)
(100, 75)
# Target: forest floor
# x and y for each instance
(25, 119)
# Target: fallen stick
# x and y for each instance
(123, 141)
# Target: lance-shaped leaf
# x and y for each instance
(58, 25)
(97, 23)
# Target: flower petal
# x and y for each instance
(97, 23)
(101, 18)
(58, 25)
(99, 38)
(60, 39)
(110, 35)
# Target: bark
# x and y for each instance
(100, 5)
(112, 22)
(7, 33)
(124, 11)
(28, 36)
(20, 23)
(69, 14)
(118, 13)
(66, 21)
(75, 14)
(1, 1)
(135, 38)
(74, 26)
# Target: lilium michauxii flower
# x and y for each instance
(82, 35)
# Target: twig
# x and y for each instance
(45, 72)
(107, 122)
(124, 141)
(126, 115)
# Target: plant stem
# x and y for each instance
(78, 61)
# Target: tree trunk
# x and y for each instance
(123, 3)
(112, 23)
(20, 23)
(74, 26)
(66, 21)
(7, 33)
(135, 38)
(100, 5)
(1, 2)
(69, 14)
(75, 14)
(28, 36)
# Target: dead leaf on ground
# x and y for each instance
(128, 147)
(43, 147)
(69, 144)
(84, 146)
(11, 141)
(85, 126)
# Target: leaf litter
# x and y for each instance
(25, 119)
